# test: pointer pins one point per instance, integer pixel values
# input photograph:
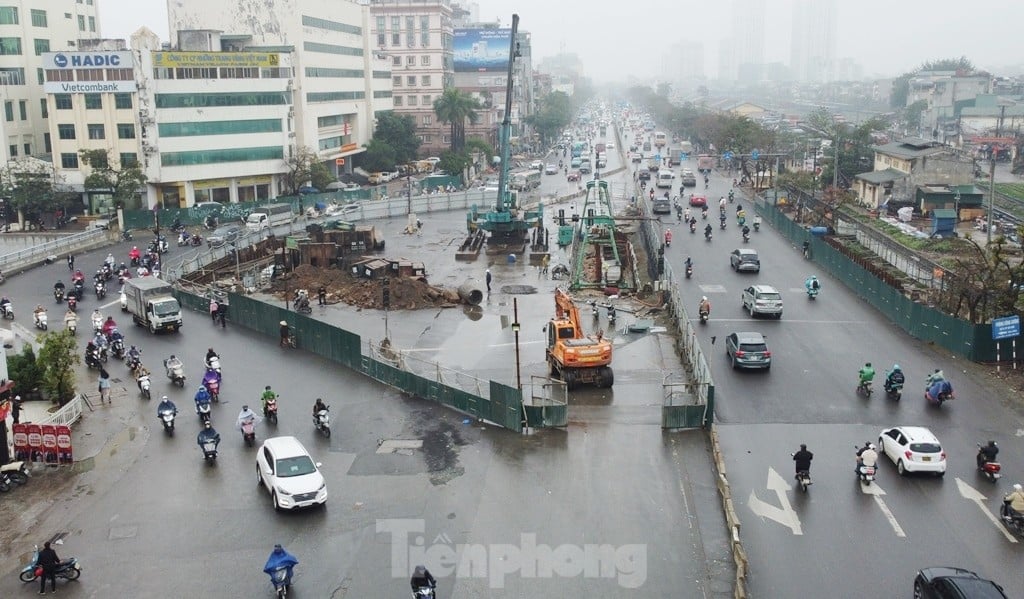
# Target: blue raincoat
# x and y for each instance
(279, 559)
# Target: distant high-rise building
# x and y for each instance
(746, 44)
(684, 62)
(727, 60)
(813, 42)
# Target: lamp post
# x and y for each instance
(408, 194)
(991, 196)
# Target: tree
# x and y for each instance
(912, 114)
(454, 163)
(379, 156)
(399, 132)
(986, 282)
(122, 181)
(320, 176)
(25, 371)
(58, 357)
(33, 188)
(300, 170)
(853, 144)
(455, 107)
(554, 115)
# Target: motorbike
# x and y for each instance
(322, 422)
(209, 446)
(58, 295)
(167, 419)
(721, 224)
(812, 293)
(40, 320)
(101, 290)
(689, 271)
(248, 427)
(668, 241)
(144, 385)
(203, 410)
(757, 225)
(176, 372)
(693, 226)
(69, 569)
(704, 314)
(214, 364)
(704, 214)
(593, 310)
(1012, 520)
(279, 568)
(746, 237)
(124, 300)
(894, 388)
(990, 469)
(97, 324)
(212, 383)
(16, 472)
(79, 291)
(866, 474)
(126, 235)
(803, 480)
(9, 311)
(610, 308)
(72, 303)
(423, 593)
(133, 363)
(864, 389)
(92, 359)
(117, 348)
(938, 392)
(707, 235)
(271, 410)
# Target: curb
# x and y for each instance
(732, 520)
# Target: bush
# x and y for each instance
(24, 370)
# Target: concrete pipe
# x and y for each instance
(469, 292)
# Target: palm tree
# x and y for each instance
(454, 107)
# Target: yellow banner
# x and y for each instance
(211, 183)
(260, 180)
(215, 59)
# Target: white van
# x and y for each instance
(665, 178)
(271, 215)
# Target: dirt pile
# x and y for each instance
(406, 293)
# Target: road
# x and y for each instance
(837, 536)
(149, 519)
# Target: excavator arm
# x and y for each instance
(565, 309)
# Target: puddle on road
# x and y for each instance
(110, 449)
(440, 454)
(474, 313)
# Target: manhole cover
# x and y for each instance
(519, 289)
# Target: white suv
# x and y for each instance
(289, 474)
(762, 299)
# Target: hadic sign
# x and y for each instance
(88, 60)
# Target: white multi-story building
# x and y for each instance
(28, 30)
(337, 84)
(415, 36)
(813, 41)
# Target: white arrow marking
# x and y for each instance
(113, 303)
(784, 515)
(1020, 432)
(969, 492)
(876, 493)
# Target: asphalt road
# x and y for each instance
(614, 506)
(837, 537)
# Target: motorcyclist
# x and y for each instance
(741, 216)
(97, 319)
(705, 306)
(746, 232)
(812, 285)
(166, 405)
(757, 222)
(134, 353)
(210, 354)
(207, 434)
(141, 374)
(721, 204)
(58, 287)
(70, 318)
(668, 236)
(109, 261)
(866, 456)
(246, 415)
(39, 310)
(935, 377)
(421, 578)
(318, 406)
(688, 263)
(987, 453)
(108, 326)
(202, 395)
(1016, 499)
(807, 247)
(686, 214)
(134, 254)
(803, 460)
(171, 363)
(894, 377)
(866, 374)
(91, 354)
(708, 230)
(4, 302)
(78, 276)
(279, 558)
(268, 394)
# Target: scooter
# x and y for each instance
(611, 313)
(704, 314)
(117, 348)
(746, 237)
(69, 569)
(101, 290)
(176, 372)
(212, 384)
(16, 472)
(144, 384)
(866, 474)
(40, 320)
(721, 223)
(322, 422)
(991, 470)
(864, 389)
(689, 271)
(97, 324)
(423, 593)
(693, 226)
(936, 395)
(757, 225)
(271, 410)
(8, 311)
(124, 300)
(58, 295)
(209, 447)
(167, 419)
(248, 427)
(213, 364)
(71, 325)
(593, 310)
(92, 359)
(1011, 519)
(203, 410)
(894, 389)
(803, 480)
(707, 235)
(812, 293)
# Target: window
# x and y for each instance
(410, 61)
(396, 61)
(122, 101)
(27, 148)
(341, 73)
(67, 16)
(69, 160)
(424, 22)
(96, 131)
(205, 100)
(330, 143)
(411, 101)
(381, 22)
(93, 102)
(427, 119)
(60, 75)
(410, 80)
(398, 100)
(129, 159)
(425, 81)
(330, 121)
(424, 39)
(425, 60)
(308, 21)
(47, 147)
(381, 39)
(382, 94)
(23, 109)
(62, 101)
(92, 23)
(426, 101)
(396, 23)
(65, 131)
(43, 109)
(410, 40)
(396, 39)
(203, 128)
(334, 96)
(396, 81)
(427, 139)
(221, 156)
(38, 18)
(13, 149)
(331, 49)
(12, 76)
(89, 74)
(40, 75)
(81, 22)
(410, 23)
(41, 46)
(9, 111)
(126, 130)
(8, 15)
(102, 161)
(10, 46)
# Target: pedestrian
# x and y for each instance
(214, 307)
(16, 408)
(487, 278)
(321, 295)
(285, 333)
(544, 263)
(104, 386)
(71, 262)
(48, 561)
(222, 314)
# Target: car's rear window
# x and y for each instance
(754, 347)
(925, 447)
(749, 257)
(769, 296)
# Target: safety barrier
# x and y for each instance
(68, 414)
(33, 256)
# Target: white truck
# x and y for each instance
(265, 217)
(151, 304)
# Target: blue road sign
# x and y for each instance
(657, 157)
(727, 155)
(1005, 327)
(755, 154)
(682, 156)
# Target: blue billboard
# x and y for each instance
(481, 50)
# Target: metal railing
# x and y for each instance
(55, 247)
(67, 415)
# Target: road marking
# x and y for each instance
(113, 303)
(876, 493)
(713, 288)
(969, 492)
(792, 321)
(784, 515)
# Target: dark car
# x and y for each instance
(689, 180)
(644, 174)
(224, 234)
(748, 350)
(745, 260)
(954, 583)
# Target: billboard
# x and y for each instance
(481, 50)
(88, 60)
(88, 87)
(216, 59)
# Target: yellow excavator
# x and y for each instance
(573, 356)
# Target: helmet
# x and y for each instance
(867, 364)
(135, 247)
(284, 323)
(1017, 487)
(268, 388)
(202, 387)
(896, 367)
(208, 424)
(164, 398)
(703, 298)
(872, 446)
(245, 407)
(991, 443)
(803, 447)
(172, 357)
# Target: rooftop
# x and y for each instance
(879, 177)
(910, 148)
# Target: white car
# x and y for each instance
(289, 474)
(913, 449)
(609, 146)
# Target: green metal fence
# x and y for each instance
(501, 404)
(973, 341)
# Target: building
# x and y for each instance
(941, 91)
(338, 84)
(813, 41)
(28, 30)
(992, 115)
(416, 36)
(684, 63)
(902, 166)
(746, 45)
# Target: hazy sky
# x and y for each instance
(616, 39)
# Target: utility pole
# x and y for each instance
(991, 197)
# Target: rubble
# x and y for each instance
(407, 293)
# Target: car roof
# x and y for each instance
(918, 433)
(285, 447)
(974, 586)
(749, 337)
(764, 289)
(746, 251)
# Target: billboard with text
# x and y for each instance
(481, 50)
